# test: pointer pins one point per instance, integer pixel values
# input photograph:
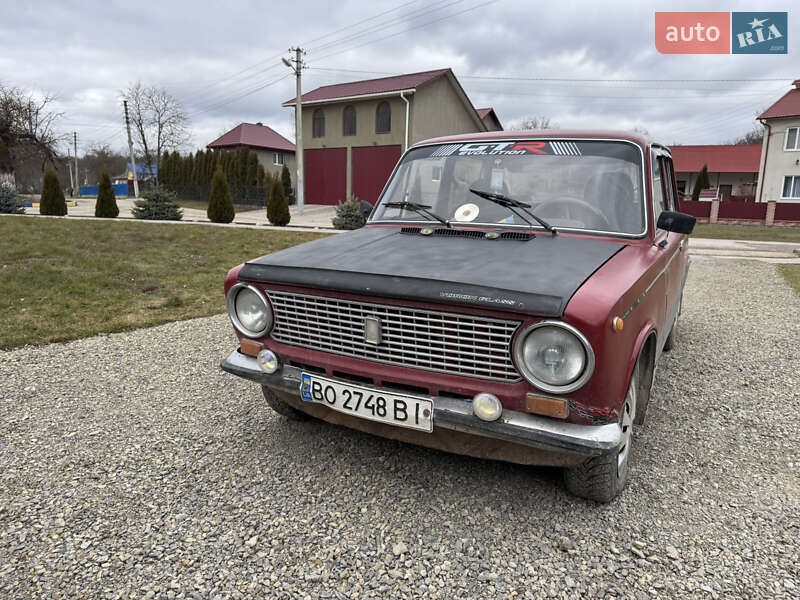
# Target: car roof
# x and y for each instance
(630, 136)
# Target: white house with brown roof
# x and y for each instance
(732, 169)
(779, 175)
(273, 150)
(354, 133)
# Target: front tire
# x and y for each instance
(280, 407)
(603, 478)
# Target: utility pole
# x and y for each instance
(77, 183)
(298, 120)
(69, 168)
(130, 149)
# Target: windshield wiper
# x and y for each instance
(420, 209)
(512, 205)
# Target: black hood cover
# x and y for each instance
(538, 276)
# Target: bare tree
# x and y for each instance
(27, 127)
(159, 122)
(532, 122)
(754, 136)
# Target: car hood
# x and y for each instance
(537, 276)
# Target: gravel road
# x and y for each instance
(132, 467)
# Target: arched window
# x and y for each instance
(318, 130)
(383, 118)
(349, 121)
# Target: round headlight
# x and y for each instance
(249, 310)
(554, 357)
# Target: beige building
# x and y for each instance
(273, 150)
(354, 133)
(779, 174)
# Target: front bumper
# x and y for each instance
(571, 441)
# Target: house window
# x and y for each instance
(792, 139)
(349, 121)
(791, 187)
(436, 174)
(277, 158)
(682, 186)
(383, 118)
(318, 129)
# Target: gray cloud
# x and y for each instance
(86, 52)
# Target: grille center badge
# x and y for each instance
(372, 330)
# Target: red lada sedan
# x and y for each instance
(509, 299)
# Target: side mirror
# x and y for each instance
(366, 209)
(676, 222)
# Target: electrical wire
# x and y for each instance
(428, 24)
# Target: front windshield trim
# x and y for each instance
(473, 224)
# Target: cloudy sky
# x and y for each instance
(222, 60)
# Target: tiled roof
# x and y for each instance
(370, 86)
(743, 158)
(788, 106)
(255, 135)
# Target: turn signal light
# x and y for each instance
(617, 324)
(249, 347)
(547, 407)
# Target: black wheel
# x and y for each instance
(602, 478)
(280, 407)
(672, 338)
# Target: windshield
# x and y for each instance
(579, 184)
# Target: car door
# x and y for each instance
(665, 198)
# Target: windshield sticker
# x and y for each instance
(508, 148)
(466, 212)
(497, 179)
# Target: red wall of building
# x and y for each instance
(325, 175)
(372, 166)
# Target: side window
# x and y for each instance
(792, 139)
(318, 124)
(659, 196)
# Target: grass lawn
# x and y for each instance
(747, 232)
(62, 279)
(791, 273)
(201, 205)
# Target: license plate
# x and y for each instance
(369, 403)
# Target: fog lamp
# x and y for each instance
(487, 407)
(268, 361)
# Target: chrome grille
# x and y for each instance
(450, 343)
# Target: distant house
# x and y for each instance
(732, 169)
(273, 150)
(490, 119)
(354, 133)
(779, 176)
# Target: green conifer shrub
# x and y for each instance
(277, 205)
(220, 203)
(349, 215)
(9, 200)
(106, 205)
(159, 204)
(286, 178)
(52, 201)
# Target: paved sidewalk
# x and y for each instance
(314, 215)
(772, 252)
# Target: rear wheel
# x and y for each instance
(280, 407)
(602, 478)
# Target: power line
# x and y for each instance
(386, 12)
(428, 24)
(415, 14)
(569, 80)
